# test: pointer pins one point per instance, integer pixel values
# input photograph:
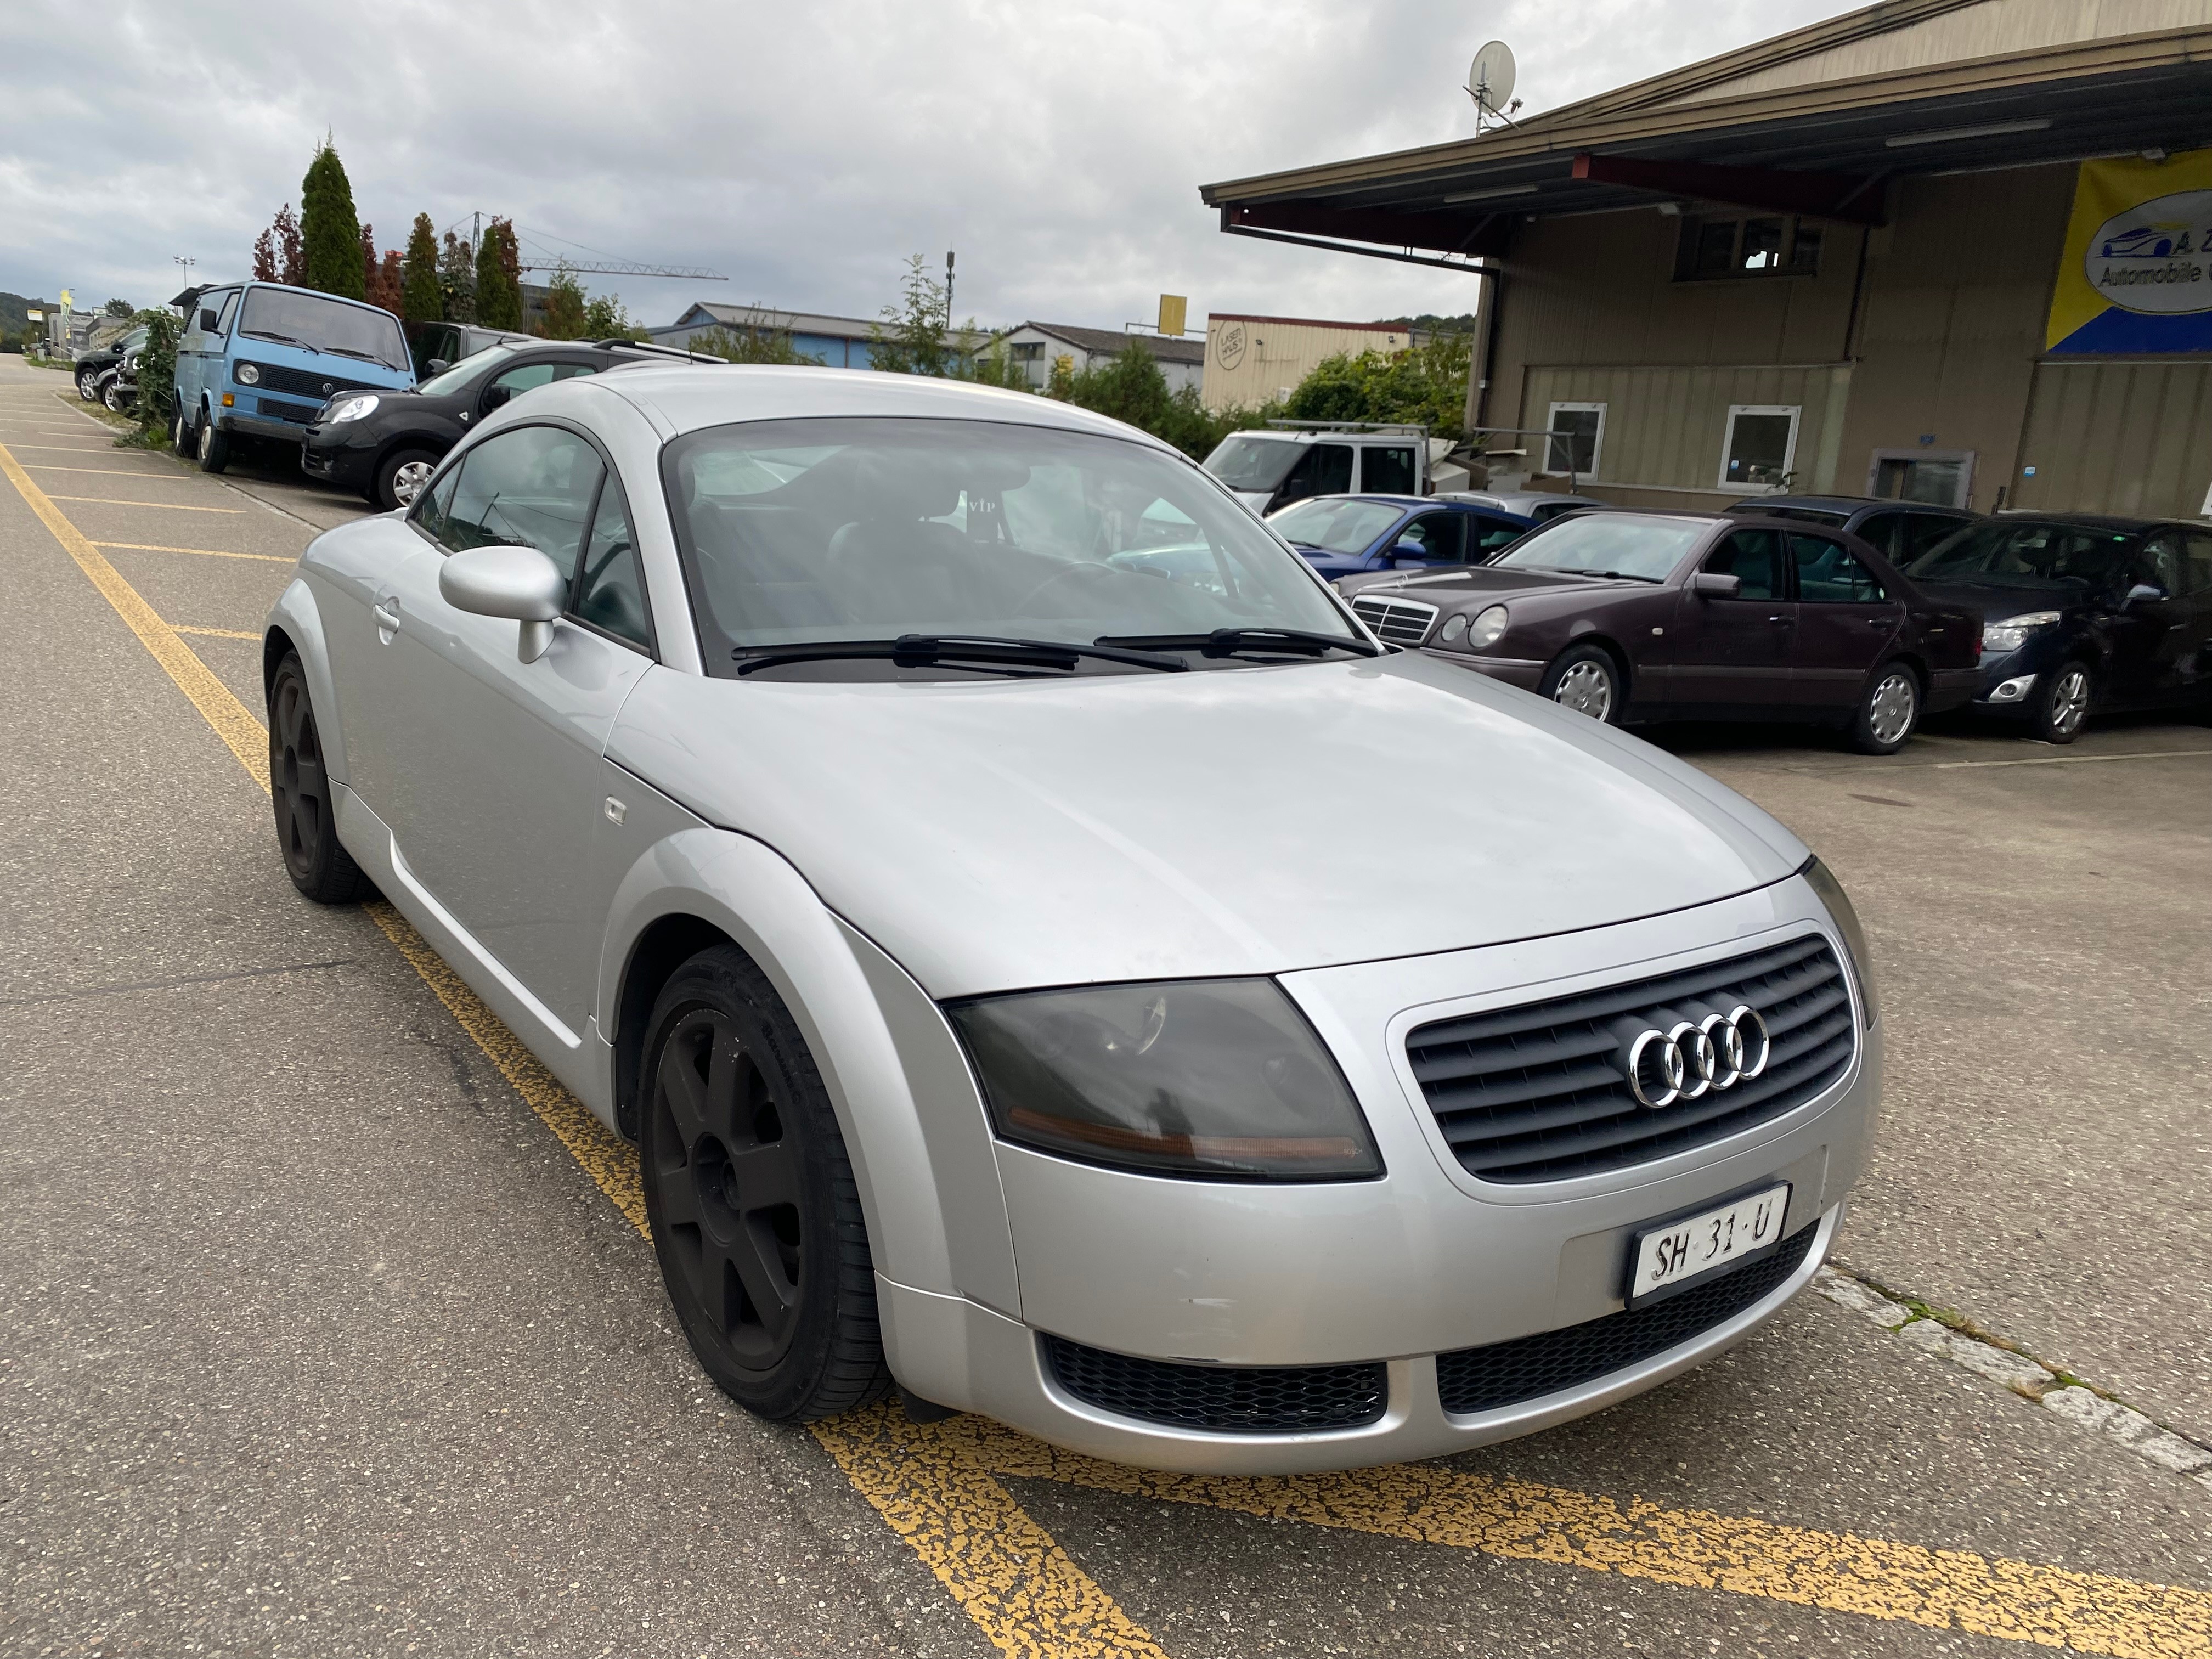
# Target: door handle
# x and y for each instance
(386, 613)
(1779, 621)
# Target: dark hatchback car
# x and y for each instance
(1348, 535)
(95, 366)
(386, 443)
(1899, 531)
(1665, 616)
(2081, 613)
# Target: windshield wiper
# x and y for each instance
(918, 649)
(366, 356)
(1614, 575)
(280, 340)
(1234, 641)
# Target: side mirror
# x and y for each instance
(208, 320)
(1715, 585)
(1413, 551)
(516, 582)
(495, 396)
(438, 365)
(2144, 593)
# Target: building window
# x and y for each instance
(1758, 446)
(1761, 246)
(1578, 439)
(1027, 351)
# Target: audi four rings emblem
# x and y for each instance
(1691, 1060)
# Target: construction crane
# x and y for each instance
(607, 264)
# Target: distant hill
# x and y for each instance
(15, 319)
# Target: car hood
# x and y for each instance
(1994, 600)
(1486, 581)
(1009, 833)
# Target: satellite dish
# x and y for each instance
(1490, 79)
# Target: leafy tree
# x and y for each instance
(420, 300)
(457, 280)
(564, 305)
(1130, 387)
(118, 308)
(330, 230)
(764, 342)
(499, 278)
(605, 319)
(916, 336)
(1427, 384)
(380, 273)
(278, 256)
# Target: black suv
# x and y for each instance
(2081, 612)
(94, 367)
(1900, 531)
(386, 443)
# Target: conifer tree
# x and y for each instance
(330, 230)
(499, 278)
(457, 280)
(419, 299)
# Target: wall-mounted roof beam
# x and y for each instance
(1854, 199)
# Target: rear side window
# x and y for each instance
(1830, 573)
(1387, 470)
(1923, 530)
(1491, 534)
(1887, 531)
(1753, 558)
(2196, 563)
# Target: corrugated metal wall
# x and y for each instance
(2118, 437)
(1665, 426)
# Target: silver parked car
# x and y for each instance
(942, 827)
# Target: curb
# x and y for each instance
(2079, 1403)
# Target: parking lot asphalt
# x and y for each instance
(323, 1339)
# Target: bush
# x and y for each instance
(764, 342)
(1426, 386)
(1129, 386)
(157, 377)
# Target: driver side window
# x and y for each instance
(530, 486)
(1753, 558)
(610, 586)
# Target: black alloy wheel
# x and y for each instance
(298, 787)
(755, 1213)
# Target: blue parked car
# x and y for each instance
(261, 360)
(1345, 535)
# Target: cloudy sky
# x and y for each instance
(802, 149)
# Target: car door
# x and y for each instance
(197, 346)
(2195, 671)
(1323, 470)
(2154, 647)
(1733, 654)
(490, 777)
(1847, 623)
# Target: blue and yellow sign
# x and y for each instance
(2136, 275)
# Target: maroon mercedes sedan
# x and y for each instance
(1679, 615)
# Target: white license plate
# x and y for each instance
(1668, 1256)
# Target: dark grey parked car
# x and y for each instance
(1899, 531)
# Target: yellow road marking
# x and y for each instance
(937, 1485)
(174, 506)
(1005, 1571)
(203, 552)
(222, 710)
(105, 471)
(214, 633)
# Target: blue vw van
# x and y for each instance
(261, 360)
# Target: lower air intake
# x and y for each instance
(1222, 1399)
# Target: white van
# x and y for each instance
(1286, 461)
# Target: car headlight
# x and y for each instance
(352, 409)
(1218, 1078)
(1824, 883)
(248, 374)
(2012, 632)
(132, 362)
(1487, 630)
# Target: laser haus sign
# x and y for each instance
(2136, 275)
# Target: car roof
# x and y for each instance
(1846, 504)
(1383, 500)
(679, 398)
(2092, 520)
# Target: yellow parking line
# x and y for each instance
(68, 449)
(105, 501)
(938, 1486)
(214, 632)
(203, 552)
(1005, 1571)
(105, 471)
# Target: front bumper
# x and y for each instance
(1527, 673)
(258, 426)
(336, 463)
(1426, 1261)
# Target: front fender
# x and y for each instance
(297, 615)
(913, 1121)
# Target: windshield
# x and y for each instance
(1245, 462)
(1606, 544)
(1334, 526)
(2044, 552)
(455, 377)
(292, 316)
(794, 532)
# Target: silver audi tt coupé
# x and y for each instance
(1051, 957)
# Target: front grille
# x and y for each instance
(1399, 622)
(277, 409)
(1541, 1092)
(1528, 1368)
(1222, 1399)
(306, 382)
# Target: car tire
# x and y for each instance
(88, 385)
(2058, 707)
(777, 1299)
(110, 394)
(1889, 713)
(1587, 679)
(300, 788)
(182, 437)
(399, 476)
(212, 445)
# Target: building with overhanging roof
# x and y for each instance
(1950, 249)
